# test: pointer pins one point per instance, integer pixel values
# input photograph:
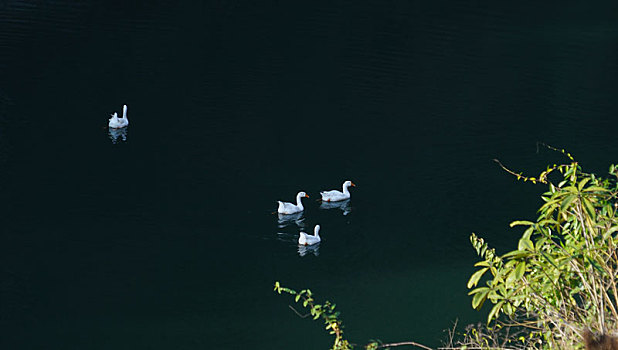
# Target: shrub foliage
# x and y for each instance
(561, 279)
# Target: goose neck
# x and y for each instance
(299, 203)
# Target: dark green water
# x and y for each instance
(166, 240)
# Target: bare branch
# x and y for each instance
(296, 312)
(403, 344)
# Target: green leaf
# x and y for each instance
(477, 290)
(520, 269)
(550, 259)
(610, 231)
(528, 232)
(521, 222)
(495, 311)
(567, 201)
(516, 254)
(596, 265)
(549, 204)
(547, 222)
(474, 279)
(583, 183)
(513, 277)
(480, 297)
(508, 309)
(589, 208)
(596, 189)
(525, 244)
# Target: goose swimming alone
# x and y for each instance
(290, 208)
(117, 123)
(334, 195)
(306, 239)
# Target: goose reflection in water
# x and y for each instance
(286, 220)
(307, 249)
(291, 239)
(117, 135)
(345, 206)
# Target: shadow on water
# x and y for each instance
(309, 249)
(344, 206)
(285, 220)
(117, 135)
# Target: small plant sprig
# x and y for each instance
(325, 311)
(542, 178)
(331, 319)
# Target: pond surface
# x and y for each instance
(162, 236)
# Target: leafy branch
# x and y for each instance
(331, 319)
(325, 311)
(542, 177)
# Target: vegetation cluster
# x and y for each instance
(556, 290)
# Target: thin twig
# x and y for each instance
(478, 348)
(299, 315)
(534, 180)
(404, 343)
(451, 334)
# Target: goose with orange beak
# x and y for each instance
(291, 208)
(335, 195)
(306, 239)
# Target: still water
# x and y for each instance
(162, 236)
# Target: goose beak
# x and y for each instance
(353, 184)
(306, 196)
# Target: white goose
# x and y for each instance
(334, 195)
(117, 123)
(290, 208)
(306, 239)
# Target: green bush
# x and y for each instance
(561, 279)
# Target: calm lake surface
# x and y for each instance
(165, 239)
